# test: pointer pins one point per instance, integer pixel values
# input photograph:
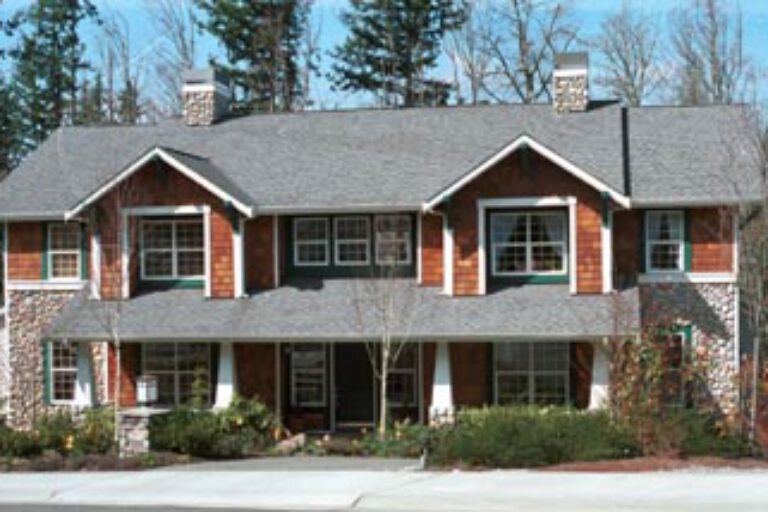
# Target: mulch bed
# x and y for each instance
(52, 461)
(671, 463)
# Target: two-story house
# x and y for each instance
(511, 245)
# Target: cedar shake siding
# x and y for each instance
(160, 185)
(130, 368)
(25, 250)
(712, 240)
(432, 250)
(521, 176)
(259, 253)
(470, 373)
(627, 233)
(255, 370)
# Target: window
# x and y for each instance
(308, 375)
(672, 362)
(172, 249)
(532, 373)
(64, 246)
(176, 366)
(665, 237)
(63, 371)
(352, 241)
(528, 243)
(393, 239)
(401, 381)
(310, 239)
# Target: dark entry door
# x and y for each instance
(354, 384)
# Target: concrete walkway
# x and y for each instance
(303, 463)
(396, 490)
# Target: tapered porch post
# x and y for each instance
(225, 385)
(598, 392)
(441, 410)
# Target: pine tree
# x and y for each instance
(262, 39)
(49, 59)
(91, 109)
(390, 47)
(9, 141)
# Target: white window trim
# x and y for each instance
(315, 371)
(529, 245)
(337, 242)
(523, 202)
(681, 243)
(176, 373)
(169, 211)
(531, 372)
(297, 243)
(50, 253)
(408, 241)
(54, 371)
(174, 276)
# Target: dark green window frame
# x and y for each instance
(45, 271)
(331, 269)
(687, 250)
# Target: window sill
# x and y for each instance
(531, 279)
(687, 277)
(47, 285)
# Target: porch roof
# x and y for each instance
(353, 310)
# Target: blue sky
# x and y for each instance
(585, 13)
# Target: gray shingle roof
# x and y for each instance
(345, 310)
(399, 158)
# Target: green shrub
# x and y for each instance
(698, 433)
(240, 429)
(402, 440)
(15, 443)
(96, 432)
(528, 437)
(56, 431)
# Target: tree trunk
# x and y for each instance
(383, 402)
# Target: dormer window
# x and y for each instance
(393, 239)
(310, 236)
(172, 249)
(665, 240)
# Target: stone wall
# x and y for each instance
(203, 107)
(710, 310)
(570, 93)
(30, 314)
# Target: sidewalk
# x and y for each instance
(396, 490)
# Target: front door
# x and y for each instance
(354, 385)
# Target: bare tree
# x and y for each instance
(708, 45)
(175, 22)
(521, 45)
(628, 43)
(387, 306)
(310, 56)
(469, 54)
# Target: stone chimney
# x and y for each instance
(570, 82)
(205, 96)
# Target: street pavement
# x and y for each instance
(400, 488)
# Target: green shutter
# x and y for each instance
(44, 275)
(606, 210)
(47, 373)
(687, 251)
(84, 252)
(641, 234)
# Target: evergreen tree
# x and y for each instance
(262, 39)
(49, 58)
(390, 47)
(91, 110)
(9, 141)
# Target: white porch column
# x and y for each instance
(441, 409)
(598, 392)
(84, 382)
(225, 385)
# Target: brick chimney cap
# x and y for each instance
(205, 76)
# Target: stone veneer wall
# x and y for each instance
(710, 309)
(30, 314)
(570, 93)
(203, 107)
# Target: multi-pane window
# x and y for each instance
(64, 246)
(308, 375)
(172, 249)
(352, 241)
(528, 243)
(401, 380)
(532, 373)
(672, 360)
(310, 238)
(177, 366)
(393, 239)
(665, 238)
(63, 371)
